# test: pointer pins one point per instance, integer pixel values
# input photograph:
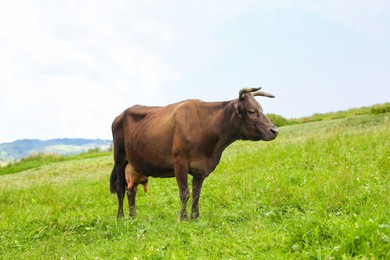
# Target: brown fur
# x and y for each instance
(180, 139)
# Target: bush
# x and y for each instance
(278, 120)
(380, 109)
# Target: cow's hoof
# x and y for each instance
(120, 215)
(183, 217)
(195, 216)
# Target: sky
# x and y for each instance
(68, 68)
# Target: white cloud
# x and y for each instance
(68, 65)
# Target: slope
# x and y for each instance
(320, 190)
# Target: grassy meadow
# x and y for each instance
(319, 191)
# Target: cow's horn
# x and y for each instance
(263, 94)
(247, 90)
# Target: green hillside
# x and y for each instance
(320, 190)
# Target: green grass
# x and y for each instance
(319, 191)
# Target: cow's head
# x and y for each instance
(254, 125)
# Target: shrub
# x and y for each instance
(278, 120)
(380, 109)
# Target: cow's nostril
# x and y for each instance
(274, 130)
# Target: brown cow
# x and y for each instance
(180, 139)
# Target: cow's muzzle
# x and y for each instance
(271, 134)
(274, 130)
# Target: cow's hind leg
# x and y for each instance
(121, 182)
(131, 194)
(131, 176)
(121, 196)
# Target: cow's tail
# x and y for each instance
(113, 181)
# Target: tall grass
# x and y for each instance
(319, 191)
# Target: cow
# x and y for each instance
(183, 138)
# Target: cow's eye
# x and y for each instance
(251, 111)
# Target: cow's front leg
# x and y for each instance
(181, 173)
(131, 194)
(196, 187)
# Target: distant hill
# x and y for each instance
(18, 149)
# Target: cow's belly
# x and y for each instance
(150, 153)
(151, 163)
(202, 167)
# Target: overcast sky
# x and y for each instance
(67, 68)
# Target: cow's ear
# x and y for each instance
(238, 108)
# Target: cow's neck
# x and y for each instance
(225, 125)
(219, 124)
